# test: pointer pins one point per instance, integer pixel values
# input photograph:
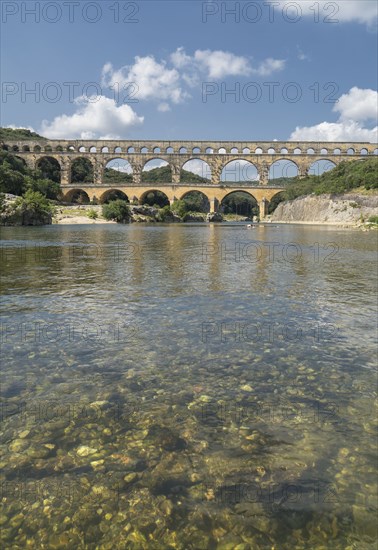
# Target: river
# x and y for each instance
(189, 386)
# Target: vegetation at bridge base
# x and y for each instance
(241, 204)
(344, 177)
(16, 178)
(117, 211)
(31, 209)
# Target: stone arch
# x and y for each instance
(156, 150)
(364, 151)
(222, 151)
(93, 149)
(37, 149)
(209, 151)
(82, 170)
(144, 150)
(320, 166)
(105, 149)
(240, 202)
(59, 149)
(311, 151)
(198, 167)
(297, 151)
(82, 149)
(350, 151)
(26, 149)
(284, 151)
(50, 168)
(239, 170)
(131, 149)
(117, 150)
(169, 150)
(196, 150)
(78, 196)
(196, 201)
(70, 149)
(151, 172)
(283, 168)
(337, 151)
(246, 151)
(154, 196)
(48, 149)
(118, 170)
(112, 195)
(271, 151)
(183, 150)
(234, 151)
(324, 151)
(375, 152)
(258, 151)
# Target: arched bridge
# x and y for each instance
(217, 156)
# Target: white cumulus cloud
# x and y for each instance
(150, 79)
(354, 108)
(95, 118)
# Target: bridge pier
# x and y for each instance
(263, 207)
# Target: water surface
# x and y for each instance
(189, 386)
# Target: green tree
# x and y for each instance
(117, 210)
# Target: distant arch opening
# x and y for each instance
(118, 149)
(258, 151)
(196, 201)
(157, 171)
(271, 151)
(318, 167)
(311, 151)
(49, 168)
(131, 150)
(283, 170)
(118, 171)
(112, 195)
(82, 171)
(234, 151)
(169, 150)
(284, 151)
(183, 150)
(337, 151)
(196, 150)
(93, 150)
(364, 152)
(297, 151)
(350, 151)
(156, 150)
(77, 196)
(37, 149)
(246, 151)
(239, 171)
(240, 203)
(195, 171)
(222, 151)
(154, 197)
(275, 201)
(26, 149)
(105, 150)
(82, 149)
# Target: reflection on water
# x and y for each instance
(201, 386)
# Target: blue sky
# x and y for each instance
(178, 60)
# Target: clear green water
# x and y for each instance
(188, 387)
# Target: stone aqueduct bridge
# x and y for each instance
(216, 154)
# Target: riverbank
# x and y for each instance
(345, 210)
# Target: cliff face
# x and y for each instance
(343, 209)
